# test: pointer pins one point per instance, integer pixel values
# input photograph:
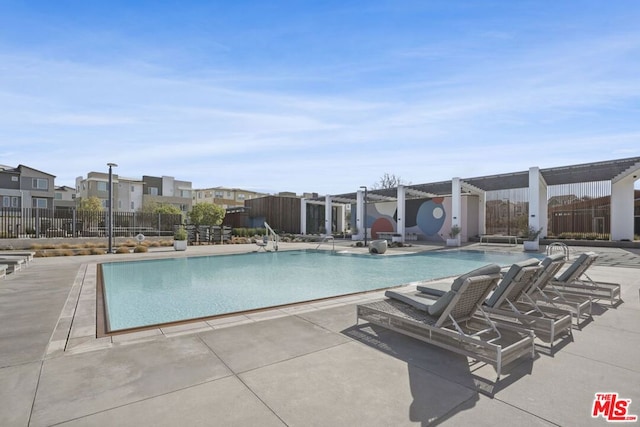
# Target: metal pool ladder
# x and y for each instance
(273, 235)
(326, 239)
(558, 245)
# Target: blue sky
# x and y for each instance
(316, 96)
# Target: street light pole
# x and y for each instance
(365, 214)
(110, 232)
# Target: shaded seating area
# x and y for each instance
(455, 321)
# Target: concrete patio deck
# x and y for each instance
(297, 366)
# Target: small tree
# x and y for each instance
(90, 204)
(90, 210)
(206, 214)
(161, 208)
(388, 181)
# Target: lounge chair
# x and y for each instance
(3, 270)
(550, 299)
(451, 321)
(504, 305)
(574, 280)
(14, 264)
(27, 255)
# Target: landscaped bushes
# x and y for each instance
(582, 236)
(93, 248)
(248, 232)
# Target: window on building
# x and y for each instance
(229, 194)
(15, 202)
(39, 203)
(219, 195)
(101, 186)
(105, 203)
(84, 185)
(14, 178)
(120, 204)
(185, 193)
(40, 183)
(132, 206)
(153, 191)
(6, 201)
(58, 196)
(199, 194)
(133, 188)
(183, 207)
(241, 196)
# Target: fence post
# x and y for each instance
(159, 223)
(37, 222)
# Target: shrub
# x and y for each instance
(122, 250)
(97, 251)
(180, 234)
(140, 249)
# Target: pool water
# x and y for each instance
(144, 293)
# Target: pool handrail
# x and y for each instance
(273, 234)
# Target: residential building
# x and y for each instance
(24, 187)
(65, 197)
(96, 184)
(225, 197)
(131, 194)
(166, 189)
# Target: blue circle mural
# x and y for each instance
(431, 216)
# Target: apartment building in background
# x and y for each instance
(25, 187)
(224, 196)
(166, 189)
(131, 194)
(65, 197)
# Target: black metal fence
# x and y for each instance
(38, 222)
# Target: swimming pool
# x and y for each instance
(143, 293)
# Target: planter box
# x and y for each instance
(453, 242)
(180, 245)
(531, 245)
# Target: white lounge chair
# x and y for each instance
(14, 264)
(574, 280)
(506, 304)
(455, 321)
(550, 299)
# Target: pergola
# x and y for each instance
(622, 175)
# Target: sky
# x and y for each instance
(316, 96)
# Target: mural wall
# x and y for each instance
(425, 219)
